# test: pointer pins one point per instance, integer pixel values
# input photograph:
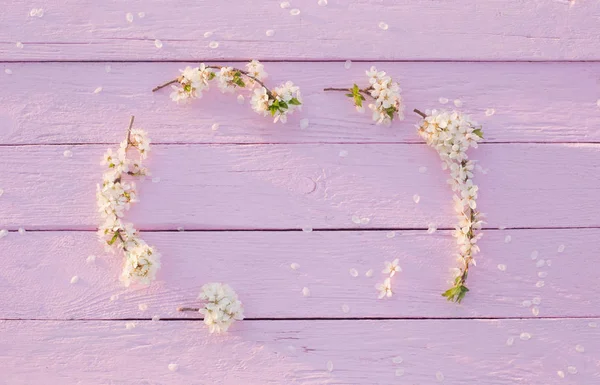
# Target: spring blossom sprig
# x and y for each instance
(452, 133)
(278, 102)
(114, 197)
(385, 288)
(221, 307)
(387, 102)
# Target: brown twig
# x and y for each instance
(364, 91)
(420, 113)
(165, 85)
(188, 309)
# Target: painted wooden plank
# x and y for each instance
(416, 30)
(56, 103)
(38, 267)
(300, 352)
(293, 186)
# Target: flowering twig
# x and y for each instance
(221, 309)
(114, 197)
(452, 134)
(384, 92)
(279, 102)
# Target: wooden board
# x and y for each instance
(52, 103)
(38, 267)
(417, 30)
(300, 352)
(293, 186)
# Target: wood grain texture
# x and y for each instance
(292, 186)
(38, 267)
(297, 352)
(344, 29)
(51, 103)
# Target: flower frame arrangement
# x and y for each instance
(278, 102)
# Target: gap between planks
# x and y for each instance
(245, 60)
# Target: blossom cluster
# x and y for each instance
(452, 134)
(279, 102)
(114, 197)
(222, 307)
(385, 288)
(387, 101)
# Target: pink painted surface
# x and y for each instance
(540, 190)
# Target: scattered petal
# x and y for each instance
(561, 374)
(525, 336)
(3, 233)
(458, 103)
(295, 12)
(536, 300)
(270, 32)
(306, 292)
(19, 44)
(510, 341)
(294, 266)
(180, 229)
(343, 153)
(579, 348)
(490, 112)
(74, 279)
(572, 370)
(107, 68)
(540, 263)
(399, 372)
(364, 221)
(391, 234)
(156, 179)
(22, 231)
(114, 297)
(304, 123)
(156, 318)
(507, 239)
(593, 324)
(348, 64)
(354, 272)
(535, 311)
(416, 198)
(534, 254)
(8, 71)
(67, 153)
(91, 259)
(397, 360)
(432, 228)
(443, 100)
(329, 366)
(439, 376)
(322, 3)
(543, 274)
(40, 12)
(356, 219)
(561, 248)
(215, 126)
(129, 17)
(284, 4)
(526, 303)
(213, 44)
(307, 229)
(501, 267)
(369, 273)
(240, 99)
(539, 284)
(598, 102)
(98, 90)
(208, 34)
(345, 308)
(130, 325)
(383, 25)
(143, 307)
(33, 12)
(1, 192)
(549, 262)
(422, 169)
(173, 367)
(158, 43)
(141, 15)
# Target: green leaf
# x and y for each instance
(478, 132)
(283, 105)
(358, 100)
(390, 112)
(295, 102)
(350, 95)
(113, 239)
(211, 75)
(240, 82)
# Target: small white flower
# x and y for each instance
(222, 307)
(392, 268)
(385, 288)
(256, 69)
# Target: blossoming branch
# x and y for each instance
(452, 134)
(114, 198)
(385, 94)
(279, 102)
(222, 307)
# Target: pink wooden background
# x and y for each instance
(244, 192)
